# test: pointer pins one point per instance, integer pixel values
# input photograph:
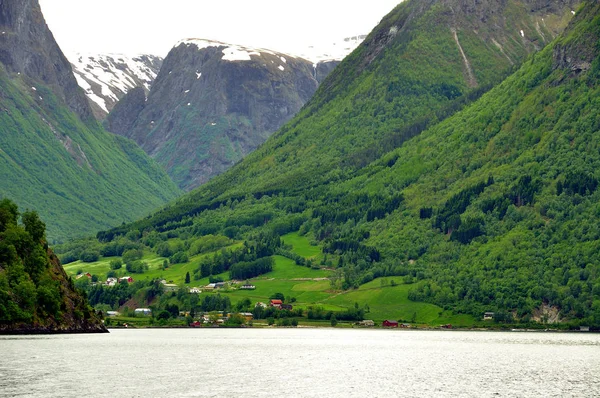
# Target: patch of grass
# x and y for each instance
(301, 246)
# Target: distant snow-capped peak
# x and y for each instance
(106, 78)
(231, 52)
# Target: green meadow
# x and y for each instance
(386, 298)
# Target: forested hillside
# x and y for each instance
(36, 296)
(493, 207)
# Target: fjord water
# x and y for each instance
(300, 363)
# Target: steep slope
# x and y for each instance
(106, 78)
(54, 157)
(494, 208)
(27, 47)
(409, 73)
(36, 296)
(213, 103)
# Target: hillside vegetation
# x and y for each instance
(494, 208)
(76, 175)
(35, 294)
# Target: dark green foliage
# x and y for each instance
(33, 289)
(215, 302)
(247, 270)
(578, 183)
(179, 258)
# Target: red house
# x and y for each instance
(390, 324)
(276, 303)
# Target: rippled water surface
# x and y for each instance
(301, 363)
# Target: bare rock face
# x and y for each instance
(213, 103)
(28, 47)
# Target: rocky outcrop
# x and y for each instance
(121, 119)
(106, 78)
(213, 103)
(324, 68)
(28, 47)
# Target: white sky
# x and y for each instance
(155, 26)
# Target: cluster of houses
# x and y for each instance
(114, 281)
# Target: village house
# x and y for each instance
(390, 324)
(195, 290)
(127, 279)
(366, 322)
(210, 286)
(260, 304)
(143, 311)
(219, 285)
(111, 282)
(287, 307)
(248, 316)
(488, 316)
(276, 303)
(87, 274)
(248, 287)
(112, 313)
(170, 287)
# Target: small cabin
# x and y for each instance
(390, 324)
(276, 303)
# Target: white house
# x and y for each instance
(195, 290)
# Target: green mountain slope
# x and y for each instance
(79, 177)
(408, 74)
(54, 157)
(494, 208)
(36, 296)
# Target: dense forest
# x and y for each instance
(491, 207)
(35, 293)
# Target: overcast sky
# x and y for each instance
(154, 26)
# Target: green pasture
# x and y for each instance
(301, 246)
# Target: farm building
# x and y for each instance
(276, 303)
(390, 324)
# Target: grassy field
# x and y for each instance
(301, 245)
(310, 287)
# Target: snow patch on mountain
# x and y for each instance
(106, 78)
(335, 50)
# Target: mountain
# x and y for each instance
(36, 296)
(106, 78)
(472, 179)
(212, 104)
(54, 157)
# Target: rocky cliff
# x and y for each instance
(106, 78)
(28, 47)
(211, 104)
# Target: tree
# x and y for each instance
(34, 226)
(187, 277)
(334, 321)
(116, 264)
